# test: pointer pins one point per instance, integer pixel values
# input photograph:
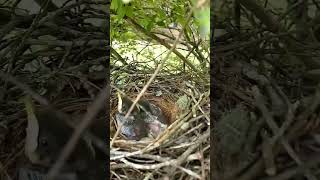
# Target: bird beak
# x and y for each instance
(119, 102)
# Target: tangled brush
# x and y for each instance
(182, 149)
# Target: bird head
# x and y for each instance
(124, 103)
(146, 118)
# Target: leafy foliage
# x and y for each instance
(163, 19)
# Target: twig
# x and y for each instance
(86, 120)
(24, 87)
(267, 116)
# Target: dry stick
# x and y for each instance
(302, 119)
(92, 42)
(152, 78)
(86, 120)
(185, 155)
(200, 140)
(100, 144)
(162, 42)
(4, 171)
(189, 172)
(119, 90)
(294, 171)
(197, 103)
(274, 127)
(24, 87)
(289, 116)
(147, 167)
(168, 132)
(203, 171)
(268, 155)
(113, 51)
(20, 46)
(276, 27)
(12, 157)
(144, 156)
(41, 100)
(177, 162)
(294, 133)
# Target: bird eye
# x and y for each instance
(44, 141)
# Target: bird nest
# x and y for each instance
(182, 150)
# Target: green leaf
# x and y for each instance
(129, 11)
(150, 26)
(144, 22)
(114, 4)
(162, 15)
(181, 20)
(161, 23)
(203, 21)
(121, 12)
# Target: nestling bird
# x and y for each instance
(48, 133)
(146, 119)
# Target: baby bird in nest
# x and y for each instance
(145, 120)
(48, 131)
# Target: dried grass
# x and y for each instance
(181, 151)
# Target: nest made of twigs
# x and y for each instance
(188, 128)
